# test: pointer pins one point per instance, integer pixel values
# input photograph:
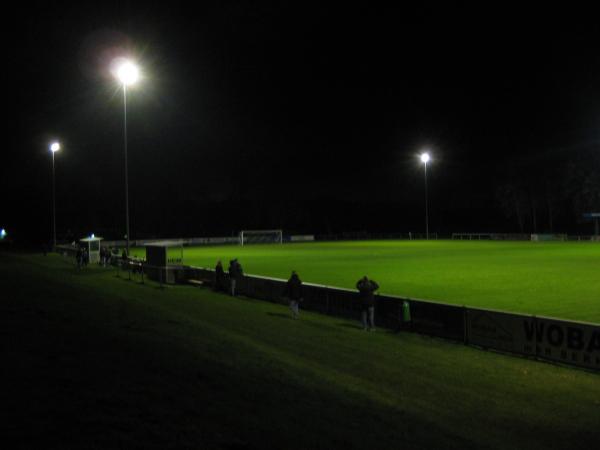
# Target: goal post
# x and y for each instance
(261, 237)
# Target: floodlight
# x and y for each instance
(2, 233)
(425, 158)
(54, 147)
(127, 73)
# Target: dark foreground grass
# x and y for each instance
(95, 361)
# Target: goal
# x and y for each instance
(261, 237)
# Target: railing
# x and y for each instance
(550, 339)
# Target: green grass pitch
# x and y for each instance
(559, 279)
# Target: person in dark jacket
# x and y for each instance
(366, 289)
(235, 274)
(293, 291)
(124, 259)
(79, 257)
(219, 277)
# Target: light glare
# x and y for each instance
(127, 73)
(425, 158)
(55, 147)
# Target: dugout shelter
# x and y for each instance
(164, 259)
(92, 244)
(164, 253)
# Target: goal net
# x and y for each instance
(261, 237)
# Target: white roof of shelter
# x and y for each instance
(90, 239)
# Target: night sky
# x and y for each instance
(307, 118)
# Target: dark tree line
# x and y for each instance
(551, 196)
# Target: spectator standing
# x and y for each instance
(235, 274)
(79, 257)
(293, 290)
(366, 289)
(124, 259)
(219, 277)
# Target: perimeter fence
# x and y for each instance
(545, 338)
(359, 236)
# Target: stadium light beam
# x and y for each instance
(127, 73)
(425, 158)
(54, 147)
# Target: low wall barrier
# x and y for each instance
(435, 319)
(438, 319)
(567, 342)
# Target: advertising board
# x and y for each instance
(567, 342)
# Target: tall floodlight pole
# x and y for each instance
(127, 73)
(54, 147)
(425, 158)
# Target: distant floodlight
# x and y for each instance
(54, 147)
(2, 233)
(92, 236)
(127, 73)
(425, 158)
